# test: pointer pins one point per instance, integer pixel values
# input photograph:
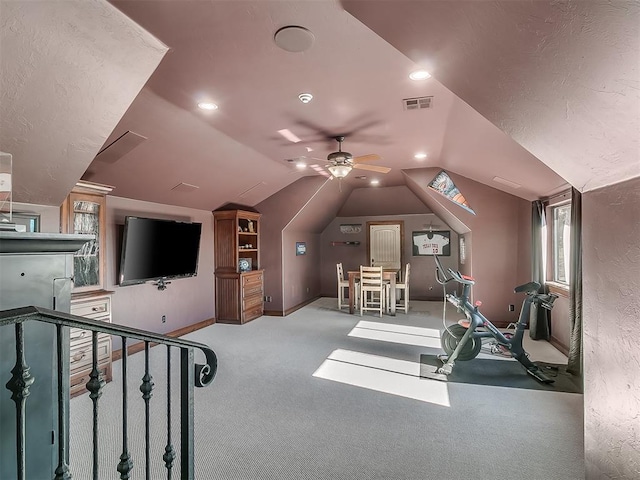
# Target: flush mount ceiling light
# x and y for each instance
(375, 182)
(301, 165)
(339, 171)
(294, 38)
(305, 97)
(207, 106)
(419, 75)
(420, 156)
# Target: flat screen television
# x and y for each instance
(155, 249)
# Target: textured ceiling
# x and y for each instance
(528, 67)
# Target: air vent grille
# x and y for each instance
(417, 103)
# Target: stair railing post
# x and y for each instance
(187, 384)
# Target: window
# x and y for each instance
(560, 243)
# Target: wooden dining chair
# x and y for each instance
(371, 282)
(400, 286)
(342, 284)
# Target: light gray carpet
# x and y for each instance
(267, 417)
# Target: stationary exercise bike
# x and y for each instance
(463, 341)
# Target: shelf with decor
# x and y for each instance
(238, 276)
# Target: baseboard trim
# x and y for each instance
(300, 305)
(278, 313)
(559, 345)
(138, 347)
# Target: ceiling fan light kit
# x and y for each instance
(341, 163)
(339, 171)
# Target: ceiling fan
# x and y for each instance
(341, 163)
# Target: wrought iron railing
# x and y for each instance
(191, 374)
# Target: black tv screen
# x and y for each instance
(154, 249)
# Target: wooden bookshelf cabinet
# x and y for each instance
(239, 281)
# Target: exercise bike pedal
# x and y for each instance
(536, 372)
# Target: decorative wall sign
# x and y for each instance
(443, 184)
(351, 228)
(436, 242)
(301, 248)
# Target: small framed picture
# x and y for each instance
(301, 248)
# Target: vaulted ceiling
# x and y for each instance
(537, 94)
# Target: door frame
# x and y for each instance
(386, 222)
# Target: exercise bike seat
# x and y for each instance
(528, 288)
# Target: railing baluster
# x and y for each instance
(19, 385)
(147, 388)
(191, 375)
(62, 471)
(126, 464)
(169, 453)
(95, 385)
(187, 381)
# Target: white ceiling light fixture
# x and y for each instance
(339, 171)
(301, 165)
(207, 106)
(420, 156)
(375, 182)
(419, 75)
(305, 97)
(293, 38)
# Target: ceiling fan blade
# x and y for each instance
(366, 158)
(372, 168)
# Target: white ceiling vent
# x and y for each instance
(417, 103)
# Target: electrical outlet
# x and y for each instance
(512, 308)
(164, 319)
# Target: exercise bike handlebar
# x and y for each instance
(442, 278)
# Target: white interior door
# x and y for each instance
(384, 246)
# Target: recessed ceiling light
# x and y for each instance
(375, 182)
(207, 106)
(305, 97)
(420, 156)
(301, 165)
(419, 75)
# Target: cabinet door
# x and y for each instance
(86, 217)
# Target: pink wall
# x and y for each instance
(611, 282)
(498, 264)
(374, 202)
(185, 301)
(301, 281)
(303, 208)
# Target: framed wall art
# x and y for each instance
(436, 242)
